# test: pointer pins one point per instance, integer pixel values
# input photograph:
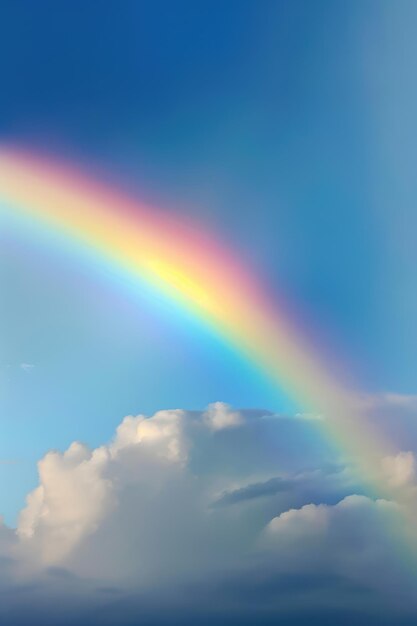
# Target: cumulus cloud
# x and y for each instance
(142, 474)
(220, 415)
(163, 434)
(400, 469)
(69, 502)
(348, 539)
(316, 520)
(233, 505)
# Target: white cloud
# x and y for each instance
(400, 469)
(350, 539)
(219, 415)
(141, 473)
(73, 496)
(163, 434)
(314, 519)
(153, 486)
(183, 495)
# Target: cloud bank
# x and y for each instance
(244, 511)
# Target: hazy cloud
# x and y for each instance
(27, 367)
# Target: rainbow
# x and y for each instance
(200, 276)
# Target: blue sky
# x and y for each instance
(287, 128)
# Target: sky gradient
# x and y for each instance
(287, 131)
